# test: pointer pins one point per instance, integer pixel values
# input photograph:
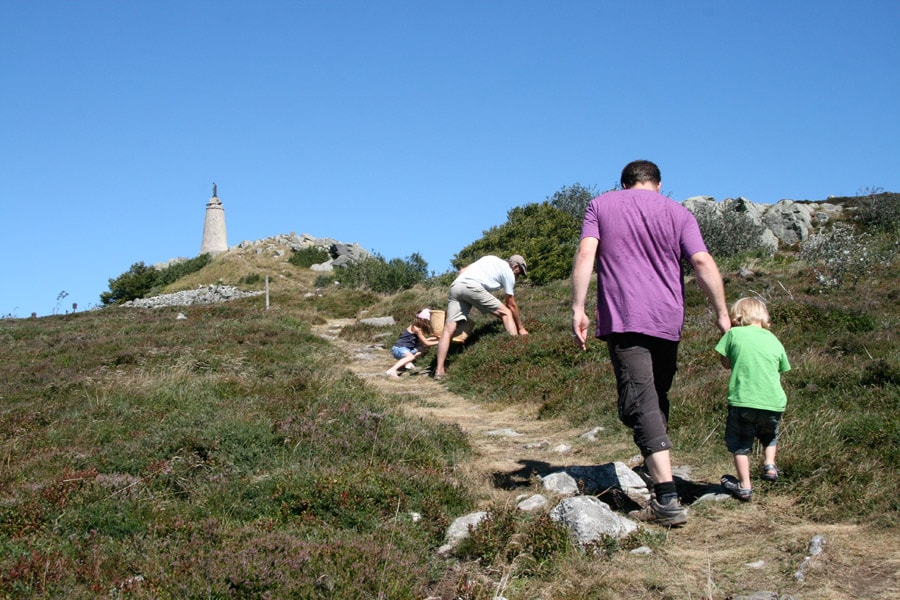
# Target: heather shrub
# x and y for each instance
(309, 256)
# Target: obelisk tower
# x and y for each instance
(214, 238)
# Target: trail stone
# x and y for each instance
(589, 519)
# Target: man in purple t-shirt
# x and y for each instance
(637, 237)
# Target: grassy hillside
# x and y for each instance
(230, 455)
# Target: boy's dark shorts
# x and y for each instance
(746, 424)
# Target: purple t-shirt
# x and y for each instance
(640, 285)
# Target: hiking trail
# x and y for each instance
(507, 441)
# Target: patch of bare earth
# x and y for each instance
(726, 549)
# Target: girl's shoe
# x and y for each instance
(731, 485)
(769, 472)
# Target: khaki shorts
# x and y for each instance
(464, 295)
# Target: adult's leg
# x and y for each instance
(505, 315)
(639, 408)
(444, 346)
(664, 354)
(457, 310)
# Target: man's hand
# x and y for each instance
(580, 324)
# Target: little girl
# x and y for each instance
(756, 399)
(414, 340)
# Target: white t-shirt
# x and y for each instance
(492, 273)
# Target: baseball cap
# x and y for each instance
(516, 259)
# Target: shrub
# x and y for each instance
(378, 275)
(839, 257)
(878, 210)
(140, 280)
(134, 283)
(309, 256)
(546, 236)
(178, 270)
(731, 233)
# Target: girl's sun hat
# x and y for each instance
(424, 314)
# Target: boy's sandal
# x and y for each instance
(769, 473)
(733, 487)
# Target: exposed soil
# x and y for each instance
(724, 547)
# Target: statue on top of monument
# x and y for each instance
(215, 193)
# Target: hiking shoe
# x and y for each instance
(731, 485)
(671, 514)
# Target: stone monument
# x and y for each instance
(214, 238)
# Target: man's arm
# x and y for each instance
(581, 281)
(510, 302)
(710, 281)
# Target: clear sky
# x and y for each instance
(410, 126)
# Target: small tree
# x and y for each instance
(136, 282)
(573, 199)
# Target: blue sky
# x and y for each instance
(410, 126)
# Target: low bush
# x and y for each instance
(309, 256)
(839, 257)
(379, 275)
(731, 233)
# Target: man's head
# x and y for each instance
(641, 173)
(517, 264)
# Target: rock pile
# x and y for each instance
(208, 294)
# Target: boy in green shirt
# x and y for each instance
(756, 399)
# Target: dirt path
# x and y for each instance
(508, 441)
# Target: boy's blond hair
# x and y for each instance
(750, 311)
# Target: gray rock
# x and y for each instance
(589, 519)
(789, 221)
(379, 321)
(460, 529)
(532, 503)
(599, 478)
(560, 483)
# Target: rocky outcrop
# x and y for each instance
(340, 253)
(784, 223)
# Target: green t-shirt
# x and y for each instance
(757, 361)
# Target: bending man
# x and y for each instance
(473, 287)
